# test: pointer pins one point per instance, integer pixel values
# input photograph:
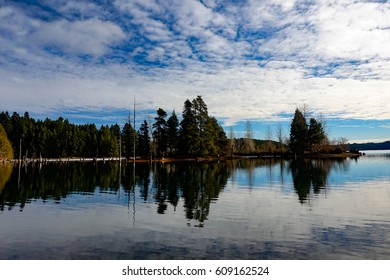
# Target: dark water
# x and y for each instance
(250, 209)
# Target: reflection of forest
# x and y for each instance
(308, 175)
(249, 166)
(198, 184)
(312, 175)
(56, 181)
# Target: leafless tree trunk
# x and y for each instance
(249, 143)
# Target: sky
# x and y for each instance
(250, 60)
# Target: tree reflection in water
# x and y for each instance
(312, 175)
(196, 184)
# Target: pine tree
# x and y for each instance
(188, 131)
(316, 133)
(298, 133)
(107, 143)
(128, 140)
(201, 120)
(160, 132)
(144, 140)
(173, 134)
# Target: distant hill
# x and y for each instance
(370, 146)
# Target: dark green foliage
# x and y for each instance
(309, 176)
(144, 140)
(305, 137)
(298, 133)
(316, 133)
(215, 140)
(200, 134)
(188, 131)
(173, 134)
(160, 133)
(196, 184)
(58, 138)
(128, 140)
(108, 144)
(197, 134)
(204, 133)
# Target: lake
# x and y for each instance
(242, 209)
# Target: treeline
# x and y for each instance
(196, 135)
(370, 146)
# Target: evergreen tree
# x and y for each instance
(160, 132)
(128, 140)
(187, 130)
(116, 133)
(91, 135)
(144, 140)
(28, 139)
(5, 120)
(298, 133)
(197, 134)
(173, 133)
(107, 143)
(40, 139)
(18, 132)
(201, 119)
(221, 139)
(316, 133)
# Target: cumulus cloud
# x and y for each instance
(355, 31)
(91, 36)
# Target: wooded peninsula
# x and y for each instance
(196, 135)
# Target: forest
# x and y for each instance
(197, 134)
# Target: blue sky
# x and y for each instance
(250, 60)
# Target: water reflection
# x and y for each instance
(196, 184)
(242, 209)
(312, 175)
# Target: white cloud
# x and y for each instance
(91, 36)
(253, 61)
(355, 31)
(77, 8)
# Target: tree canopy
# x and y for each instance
(303, 136)
(197, 134)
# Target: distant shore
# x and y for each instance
(338, 155)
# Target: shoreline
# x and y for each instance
(195, 159)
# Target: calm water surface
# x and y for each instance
(250, 209)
